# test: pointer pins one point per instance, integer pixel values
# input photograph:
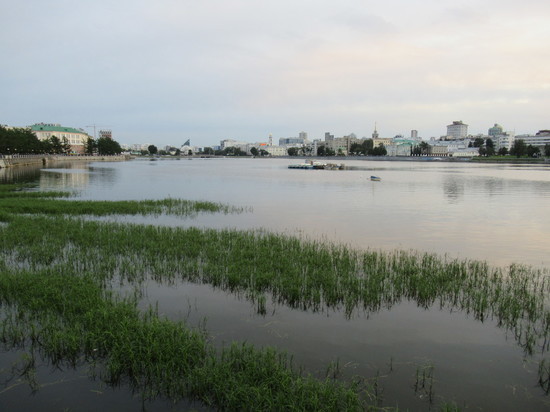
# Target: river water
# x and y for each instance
(497, 213)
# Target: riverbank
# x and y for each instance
(29, 160)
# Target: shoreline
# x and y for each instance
(29, 160)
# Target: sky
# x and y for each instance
(165, 71)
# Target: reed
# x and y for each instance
(87, 259)
(73, 320)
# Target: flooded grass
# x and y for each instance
(57, 294)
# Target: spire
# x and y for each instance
(375, 133)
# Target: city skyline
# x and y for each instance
(169, 71)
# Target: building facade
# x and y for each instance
(76, 138)
(495, 130)
(457, 130)
(540, 139)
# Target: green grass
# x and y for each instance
(73, 319)
(56, 274)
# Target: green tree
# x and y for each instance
(379, 151)
(254, 151)
(56, 145)
(152, 149)
(546, 149)
(489, 143)
(106, 146)
(90, 146)
(292, 151)
(519, 148)
(368, 145)
(356, 148)
(503, 151)
(208, 151)
(532, 151)
(478, 142)
(264, 152)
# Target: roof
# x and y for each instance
(54, 128)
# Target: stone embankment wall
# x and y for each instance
(25, 160)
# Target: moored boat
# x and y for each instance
(375, 178)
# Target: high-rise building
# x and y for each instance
(457, 130)
(328, 137)
(414, 134)
(106, 134)
(303, 135)
(496, 130)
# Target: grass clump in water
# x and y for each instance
(73, 319)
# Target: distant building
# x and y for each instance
(495, 130)
(540, 139)
(503, 140)
(375, 133)
(76, 138)
(457, 130)
(414, 134)
(106, 134)
(285, 141)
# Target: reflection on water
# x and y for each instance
(491, 212)
(77, 177)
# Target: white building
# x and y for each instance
(77, 138)
(457, 130)
(540, 139)
(503, 140)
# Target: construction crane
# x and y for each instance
(94, 126)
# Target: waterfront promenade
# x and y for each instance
(26, 160)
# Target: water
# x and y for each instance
(497, 213)
(491, 212)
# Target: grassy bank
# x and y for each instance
(56, 272)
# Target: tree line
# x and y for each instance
(20, 141)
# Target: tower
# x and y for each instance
(375, 133)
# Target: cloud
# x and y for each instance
(246, 68)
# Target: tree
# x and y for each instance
(264, 152)
(503, 151)
(489, 143)
(379, 151)
(368, 145)
(90, 146)
(292, 151)
(55, 145)
(532, 151)
(152, 149)
(478, 142)
(518, 148)
(106, 146)
(424, 147)
(254, 151)
(356, 148)
(208, 151)
(547, 149)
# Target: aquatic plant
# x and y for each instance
(72, 319)
(258, 265)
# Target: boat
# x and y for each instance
(317, 165)
(375, 178)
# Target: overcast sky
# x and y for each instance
(165, 71)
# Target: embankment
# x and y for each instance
(27, 160)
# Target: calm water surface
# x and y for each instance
(497, 213)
